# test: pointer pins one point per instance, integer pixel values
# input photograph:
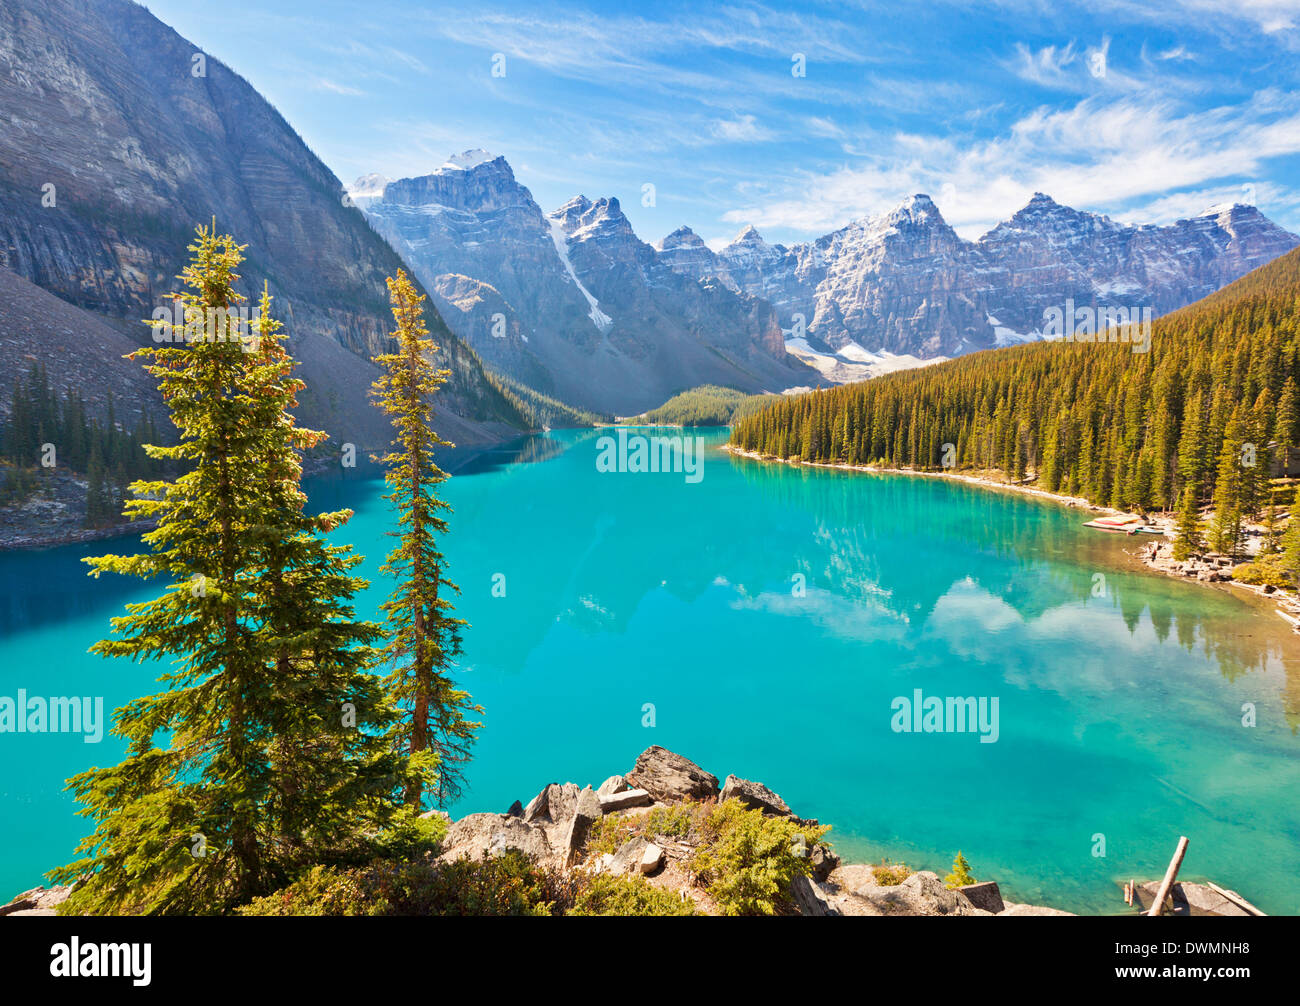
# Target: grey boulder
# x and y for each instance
(669, 777)
(755, 796)
(610, 802)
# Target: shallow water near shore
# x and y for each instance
(1120, 693)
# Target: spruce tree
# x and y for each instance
(267, 747)
(1187, 539)
(1226, 526)
(436, 731)
(1291, 542)
(961, 875)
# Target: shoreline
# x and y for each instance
(1163, 563)
(1024, 489)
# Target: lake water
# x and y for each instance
(1120, 693)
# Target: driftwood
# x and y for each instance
(1170, 874)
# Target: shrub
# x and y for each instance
(411, 837)
(608, 895)
(749, 860)
(961, 875)
(325, 890)
(510, 884)
(890, 874)
(609, 832)
(1266, 569)
(672, 822)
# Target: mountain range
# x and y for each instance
(109, 159)
(905, 282)
(574, 303)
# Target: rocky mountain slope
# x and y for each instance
(905, 283)
(120, 136)
(573, 303)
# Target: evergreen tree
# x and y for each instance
(267, 664)
(1226, 528)
(1291, 541)
(961, 875)
(1288, 414)
(1187, 539)
(1128, 429)
(98, 498)
(424, 634)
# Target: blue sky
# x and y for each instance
(1148, 112)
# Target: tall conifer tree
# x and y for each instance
(436, 731)
(1187, 538)
(266, 690)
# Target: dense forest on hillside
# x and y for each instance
(707, 405)
(1126, 429)
(541, 410)
(45, 432)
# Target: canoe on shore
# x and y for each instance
(1123, 526)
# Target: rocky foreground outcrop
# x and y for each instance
(554, 825)
(37, 901)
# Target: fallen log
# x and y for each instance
(1170, 874)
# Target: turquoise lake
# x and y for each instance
(1120, 696)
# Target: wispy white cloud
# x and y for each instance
(741, 129)
(1097, 154)
(1049, 66)
(819, 126)
(325, 84)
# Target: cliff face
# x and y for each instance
(121, 136)
(573, 302)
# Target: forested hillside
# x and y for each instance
(707, 405)
(1121, 428)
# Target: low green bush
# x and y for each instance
(607, 895)
(1266, 569)
(510, 884)
(325, 890)
(609, 832)
(748, 860)
(890, 874)
(675, 821)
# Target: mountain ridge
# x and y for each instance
(861, 284)
(572, 301)
(899, 285)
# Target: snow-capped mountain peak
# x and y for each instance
(468, 160)
(572, 303)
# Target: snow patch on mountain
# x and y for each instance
(1003, 336)
(853, 362)
(366, 190)
(599, 318)
(468, 160)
